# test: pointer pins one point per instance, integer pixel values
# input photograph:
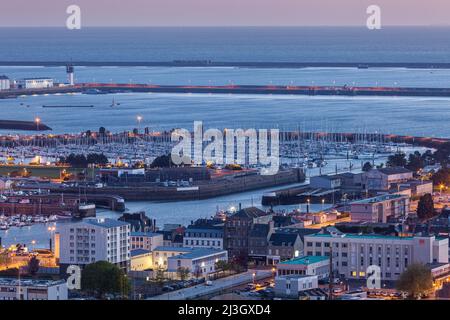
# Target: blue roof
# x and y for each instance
(197, 253)
(105, 222)
(145, 234)
(138, 252)
(306, 260)
(167, 248)
(383, 197)
(361, 236)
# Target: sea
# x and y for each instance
(418, 116)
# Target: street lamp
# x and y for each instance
(254, 277)
(37, 120)
(33, 242)
(139, 119)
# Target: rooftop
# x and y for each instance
(176, 249)
(361, 236)
(251, 212)
(105, 222)
(146, 234)
(394, 170)
(381, 198)
(2, 77)
(306, 260)
(196, 253)
(30, 282)
(138, 252)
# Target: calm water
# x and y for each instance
(343, 44)
(413, 116)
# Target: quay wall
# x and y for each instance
(202, 190)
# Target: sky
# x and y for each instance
(224, 13)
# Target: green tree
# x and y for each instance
(425, 208)
(442, 154)
(397, 160)
(102, 278)
(367, 166)
(416, 281)
(183, 273)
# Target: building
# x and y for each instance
(306, 265)
(35, 83)
(325, 182)
(237, 230)
(91, 240)
(172, 235)
(5, 83)
(283, 246)
(200, 262)
(141, 260)
(382, 208)
(384, 178)
(146, 240)
(258, 240)
(30, 289)
(204, 235)
(161, 255)
(354, 253)
(290, 286)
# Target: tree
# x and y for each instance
(183, 273)
(367, 166)
(223, 265)
(397, 160)
(415, 162)
(102, 278)
(33, 266)
(416, 281)
(425, 208)
(163, 161)
(442, 154)
(442, 177)
(160, 276)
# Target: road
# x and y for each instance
(217, 286)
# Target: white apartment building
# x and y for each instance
(290, 286)
(35, 83)
(30, 289)
(203, 237)
(353, 254)
(199, 261)
(91, 240)
(380, 208)
(146, 240)
(5, 83)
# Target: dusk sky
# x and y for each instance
(223, 13)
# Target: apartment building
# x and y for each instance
(31, 289)
(354, 253)
(146, 240)
(382, 208)
(91, 240)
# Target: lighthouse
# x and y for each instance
(70, 74)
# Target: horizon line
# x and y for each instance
(236, 26)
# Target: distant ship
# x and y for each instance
(114, 103)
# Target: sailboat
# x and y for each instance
(114, 103)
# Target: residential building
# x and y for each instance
(35, 83)
(237, 230)
(141, 260)
(204, 234)
(258, 240)
(5, 83)
(384, 178)
(290, 286)
(161, 255)
(146, 240)
(354, 253)
(91, 240)
(200, 262)
(306, 265)
(382, 208)
(287, 243)
(31, 289)
(172, 235)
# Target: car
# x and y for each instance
(208, 283)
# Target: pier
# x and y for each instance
(352, 91)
